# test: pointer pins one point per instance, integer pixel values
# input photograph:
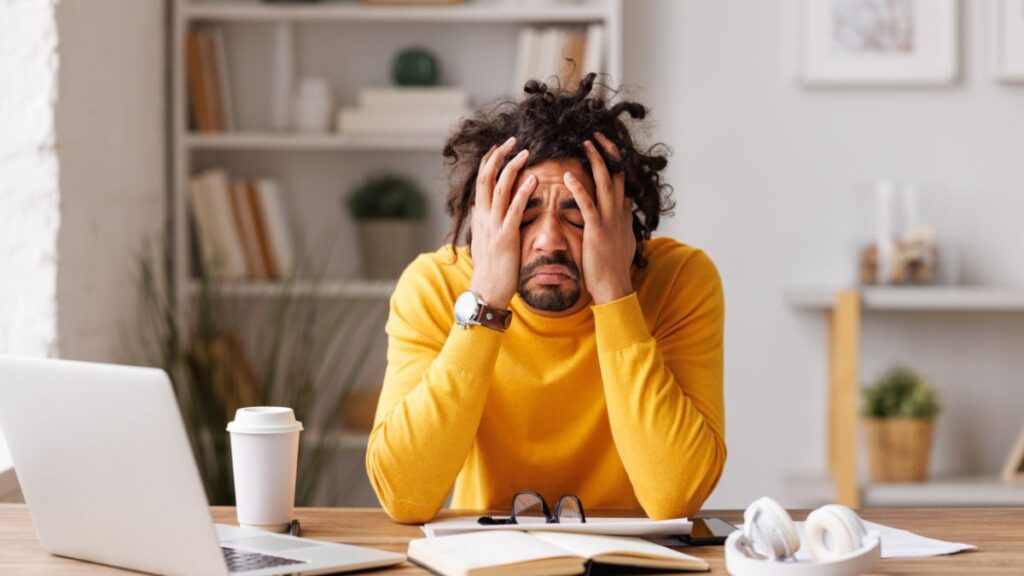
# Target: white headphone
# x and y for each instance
(836, 536)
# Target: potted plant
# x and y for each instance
(899, 417)
(388, 209)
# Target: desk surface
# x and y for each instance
(997, 532)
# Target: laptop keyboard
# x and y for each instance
(241, 561)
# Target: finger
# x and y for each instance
(508, 177)
(602, 180)
(609, 147)
(482, 196)
(518, 206)
(487, 175)
(619, 178)
(579, 193)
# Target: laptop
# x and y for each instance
(108, 474)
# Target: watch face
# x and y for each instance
(466, 307)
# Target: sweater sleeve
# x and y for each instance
(664, 391)
(433, 396)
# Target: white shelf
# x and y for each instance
(349, 12)
(939, 492)
(309, 142)
(939, 298)
(302, 288)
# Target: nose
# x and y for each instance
(550, 236)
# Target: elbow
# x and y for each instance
(685, 499)
(399, 506)
(407, 513)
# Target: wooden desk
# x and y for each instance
(997, 532)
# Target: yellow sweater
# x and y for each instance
(620, 404)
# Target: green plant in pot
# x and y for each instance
(388, 209)
(899, 419)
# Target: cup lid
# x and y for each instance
(264, 420)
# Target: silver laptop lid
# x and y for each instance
(105, 465)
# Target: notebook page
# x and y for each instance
(477, 550)
(589, 546)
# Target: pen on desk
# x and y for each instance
(293, 528)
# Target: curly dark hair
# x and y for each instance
(552, 123)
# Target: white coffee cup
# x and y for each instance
(265, 455)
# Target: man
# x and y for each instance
(563, 352)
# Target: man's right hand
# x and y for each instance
(497, 214)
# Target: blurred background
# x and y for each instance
(228, 189)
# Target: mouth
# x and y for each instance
(552, 275)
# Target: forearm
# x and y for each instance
(421, 440)
(670, 442)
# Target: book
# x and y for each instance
(246, 224)
(225, 101)
(211, 89)
(197, 85)
(356, 121)
(427, 99)
(205, 227)
(260, 226)
(216, 193)
(511, 553)
(593, 50)
(526, 58)
(278, 232)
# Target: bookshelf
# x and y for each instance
(351, 45)
(844, 310)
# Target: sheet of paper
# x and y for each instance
(896, 543)
(640, 527)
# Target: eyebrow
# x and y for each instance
(569, 204)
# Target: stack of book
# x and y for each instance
(241, 227)
(209, 91)
(565, 53)
(425, 111)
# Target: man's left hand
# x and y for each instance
(608, 241)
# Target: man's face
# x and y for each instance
(551, 237)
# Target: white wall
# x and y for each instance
(112, 140)
(771, 179)
(29, 193)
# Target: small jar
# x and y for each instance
(313, 107)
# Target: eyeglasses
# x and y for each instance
(531, 508)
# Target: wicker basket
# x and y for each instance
(899, 449)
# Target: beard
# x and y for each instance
(551, 298)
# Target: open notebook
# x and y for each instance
(510, 553)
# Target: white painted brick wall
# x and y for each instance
(29, 192)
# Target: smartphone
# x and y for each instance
(708, 532)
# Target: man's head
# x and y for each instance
(553, 125)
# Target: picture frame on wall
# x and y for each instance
(1008, 32)
(880, 42)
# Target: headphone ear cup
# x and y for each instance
(770, 529)
(834, 531)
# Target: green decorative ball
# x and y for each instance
(415, 67)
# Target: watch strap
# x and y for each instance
(494, 318)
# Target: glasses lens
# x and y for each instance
(569, 510)
(528, 507)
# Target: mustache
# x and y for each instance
(558, 258)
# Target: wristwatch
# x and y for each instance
(471, 310)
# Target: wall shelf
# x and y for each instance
(312, 142)
(938, 298)
(844, 309)
(355, 288)
(511, 13)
